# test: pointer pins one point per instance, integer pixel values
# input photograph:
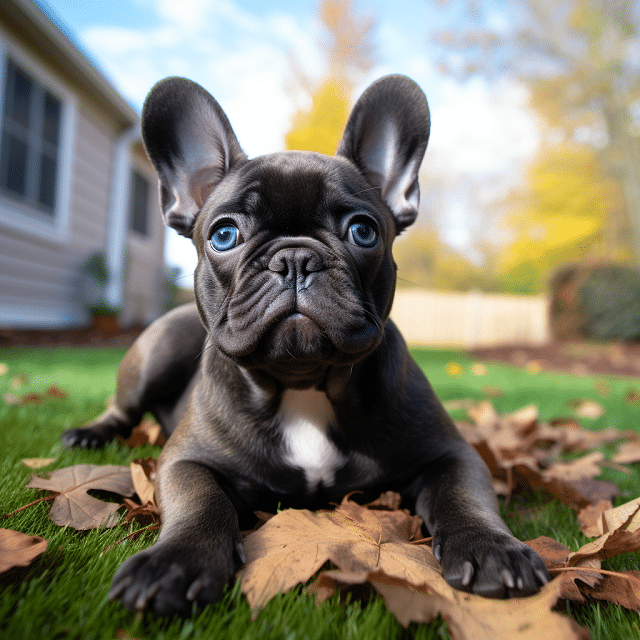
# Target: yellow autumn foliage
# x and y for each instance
(320, 128)
(561, 216)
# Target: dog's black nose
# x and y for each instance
(295, 265)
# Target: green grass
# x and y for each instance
(63, 594)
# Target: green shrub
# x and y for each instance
(611, 303)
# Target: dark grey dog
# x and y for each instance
(288, 383)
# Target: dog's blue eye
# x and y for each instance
(225, 238)
(364, 234)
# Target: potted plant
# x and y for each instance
(96, 277)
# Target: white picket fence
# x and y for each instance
(471, 319)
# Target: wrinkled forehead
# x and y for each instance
(288, 185)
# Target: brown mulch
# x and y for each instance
(578, 358)
(84, 337)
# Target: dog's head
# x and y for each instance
(295, 272)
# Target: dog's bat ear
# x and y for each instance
(191, 145)
(386, 137)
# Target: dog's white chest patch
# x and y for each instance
(305, 420)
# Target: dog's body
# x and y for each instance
(288, 384)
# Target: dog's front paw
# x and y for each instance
(85, 438)
(168, 578)
(490, 564)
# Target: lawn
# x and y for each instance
(63, 593)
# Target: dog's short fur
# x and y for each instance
(288, 383)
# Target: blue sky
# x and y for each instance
(239, 50)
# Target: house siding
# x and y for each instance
(41, 272)
(145, 277)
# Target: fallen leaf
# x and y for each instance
(590, 518)
(632, 396)
(38, 463)
(609, 545)
(19, 549)
(292, 546)
(147, 432)
(534, 366)
(585, 408)
(478, 369)
(619, 587)
(628, 453)
(143, 471)
(467, 616)
(56, 392)
(4, 369)
(453, 369)
(123, 634)
(11, 399)
(18, 381)
(73, 506)
(492, 391)
(32, 398)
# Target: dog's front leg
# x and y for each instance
(477, 551)
(197, 553)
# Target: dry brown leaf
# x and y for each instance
(38, 463)
(10, 399)
(590, 518)
(585, 467)
(18, 381)
(620, 587)
(147, 432)
(621, 534)
(73, 506)
(586, 408)
(467, 616)
(628, 452)
(19, 549)
(492, 391)
(143, 471)
(292, 546)
(4, 369)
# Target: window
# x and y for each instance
(139, 204)
(29, 152)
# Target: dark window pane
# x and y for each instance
(14, 164)
(139, 203)
(47, 190)
(51, 116)
(19, 90)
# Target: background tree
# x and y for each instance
(580, 60)
(425, 261)
(560, 215)
(350, 54)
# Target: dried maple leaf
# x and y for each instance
(147, 432)
(590, 518)
(143, 471)
(628, 452)
(467, 616)
(292, 546)
(73, 506)
(619, 587)
(586, 408)
(19, 549)
(515, 448)
(38, 463)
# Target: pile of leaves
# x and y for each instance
(379, 547)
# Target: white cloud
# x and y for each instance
(478, 132)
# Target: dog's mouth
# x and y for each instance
(300, 345)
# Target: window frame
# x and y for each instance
(146, 235)
(20, 216)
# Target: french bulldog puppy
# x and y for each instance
(286, 383)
